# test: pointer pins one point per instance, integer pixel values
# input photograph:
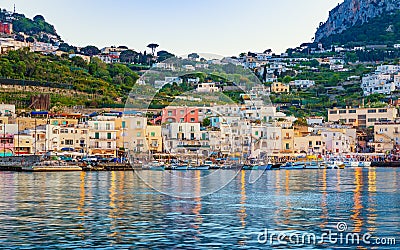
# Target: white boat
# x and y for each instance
(364, 164)
(293, 165)
(47, 166)
(334, 165)
(351, 163)
(312, 165)
(210, 165)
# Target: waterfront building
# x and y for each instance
(103, 137)
(174, 114)
(386, 136)
(362, 117)
(154, 139)
(181, 137)
(135, 133)
(23, 144)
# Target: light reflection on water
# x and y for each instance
(118, 210)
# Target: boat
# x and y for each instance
(312, 165)
(210, 165)
(157, 166)
(364, 164)
(335, 165)
(263, 166)
(293, 165)
(351, 163)
(47, 166)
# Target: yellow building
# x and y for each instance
(362, 117)
(30, 123)
(386, 136)
(278, 87)
(154, 138)
(23, 144)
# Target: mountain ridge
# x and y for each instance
(354, 12)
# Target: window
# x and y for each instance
(191, 119)
(169, 113)
(192, 128)
(192, 112)
(123, 124)
(109, 136)
(371, 119)
(352, 120)
(96, 125)
(96, 135)
(153, 134)
(310, 143)
(352, 111)
(138, 123)
(287, 146)
(138, 134)
(318, 143)
(182, 112)
(256, 132)
(108, 144)
(180, 128)
(181, 120)
(370, 111)
(342, 111)
(96, 144)
(108, 126)
(382, 110)
(333, 112)
(69, 142)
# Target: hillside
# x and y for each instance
(36, 28)
(63, 78)
(355, 13)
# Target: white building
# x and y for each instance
(302, 83)
(103, 137)
(178, 137)
(387, 69)
(377, 84)
(7, 110)
(207, 87)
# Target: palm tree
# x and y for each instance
(153, 47)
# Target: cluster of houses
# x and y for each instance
(384, 80)
(247, 130)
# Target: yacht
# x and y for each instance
(293, 165)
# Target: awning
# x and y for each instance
(67, 149)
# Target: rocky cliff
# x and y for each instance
(352, 12)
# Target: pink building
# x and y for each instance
(6, 145)
(180, 114)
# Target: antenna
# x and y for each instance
(14, 8)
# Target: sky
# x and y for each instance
(222, 27)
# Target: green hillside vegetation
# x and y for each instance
(384, 29)
(110, 84)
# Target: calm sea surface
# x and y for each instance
(119, 210)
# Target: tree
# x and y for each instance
(163, 55)
(128, 56)
(38, 18)
(206, 122)
(153, 47)
(90, 50)
(30, 39)
(193, 56)
(287, 79)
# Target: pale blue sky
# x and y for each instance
(224, 27)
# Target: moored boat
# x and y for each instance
(48, 166)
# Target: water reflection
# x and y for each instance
(118, 210)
